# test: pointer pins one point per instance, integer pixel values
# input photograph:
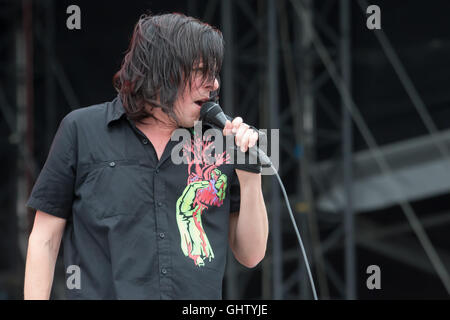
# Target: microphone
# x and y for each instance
(212, 113)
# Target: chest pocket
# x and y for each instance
(115, 187)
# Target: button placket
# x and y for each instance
(163, 243)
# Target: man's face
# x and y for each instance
(188, 104)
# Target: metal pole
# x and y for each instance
(228, 97)
(347, 145)
(304, 129)
(272, 82)
(264, 118)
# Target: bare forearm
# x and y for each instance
(252, 226)
(40, 267)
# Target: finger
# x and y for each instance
(228, 124)
(228, 128)
(245, 139)
(236, 123)
(253, 138)
(240, 132)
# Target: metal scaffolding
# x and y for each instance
(314, 66)
(285, 61)
(341, 83)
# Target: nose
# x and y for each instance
(216, 84)
(213, 86)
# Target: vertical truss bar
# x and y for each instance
(347, 145)
(303, 46)
(305, 123)
(299, 275)
(264, 116)
(228, 98)
(272, 82)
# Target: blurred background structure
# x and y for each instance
(364, 119)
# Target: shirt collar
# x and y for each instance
(115, 111)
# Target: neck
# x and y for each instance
(162, 124)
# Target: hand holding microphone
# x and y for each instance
(245, 135)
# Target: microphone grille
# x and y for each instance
(209, 109)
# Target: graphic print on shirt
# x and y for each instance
(206, 187)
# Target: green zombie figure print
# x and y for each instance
(206, 186)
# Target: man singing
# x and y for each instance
(136, 225)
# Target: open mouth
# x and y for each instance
(200, 102)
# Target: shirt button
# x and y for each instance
(163, 271)
(112, 164)
(144, 141)
(161, 235)
(159, 204)
(157, 171)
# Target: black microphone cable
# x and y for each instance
(313, 288)
(297, 232)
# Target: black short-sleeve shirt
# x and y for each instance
(137, 227)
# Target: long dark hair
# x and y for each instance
(160, 60)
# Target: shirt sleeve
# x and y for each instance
(235, 193)
(54, 188)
